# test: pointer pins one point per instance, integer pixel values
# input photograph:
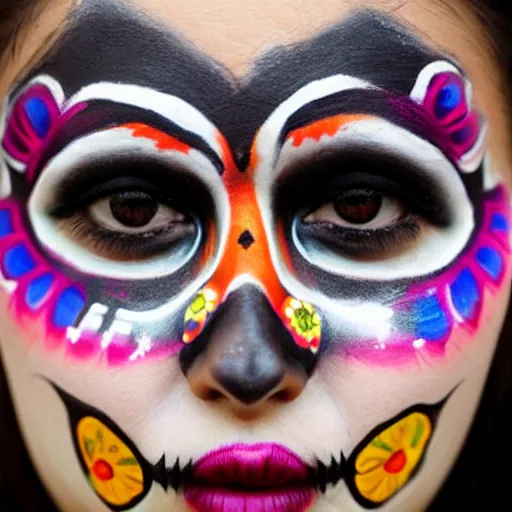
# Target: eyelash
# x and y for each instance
(124, 246)
(319, 183)
(360, 243)
(98, 181)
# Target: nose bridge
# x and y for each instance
(247, 250)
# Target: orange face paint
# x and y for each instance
(162, 140)
(253, 260)
(325, 127)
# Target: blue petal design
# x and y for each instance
(465, 294)
(18, 261)
(431, 321)
(447, 99)
(38, 289)
(5, 223)
(191, 325)
(499, 222)
(68, 307)
(38, 115)
(491, 261)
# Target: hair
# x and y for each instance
(479, 479)
(14, 16)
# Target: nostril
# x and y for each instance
(212, 395)
(291, 387)
(285, 395)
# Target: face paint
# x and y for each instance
(333, 237)
(381, 464)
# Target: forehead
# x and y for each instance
(110, 41)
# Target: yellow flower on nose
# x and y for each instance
(303, 322)
(113, 471)
(197, 313)
(386, 464)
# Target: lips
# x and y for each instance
(251, 478)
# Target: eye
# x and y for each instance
(129, 225)
(133, 212)
(362, 223)
(372, 205)
(361, 208)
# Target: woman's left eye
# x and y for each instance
(359, 208)
(133, 212)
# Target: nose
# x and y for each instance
(245, 355)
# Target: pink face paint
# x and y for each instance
(455, 297)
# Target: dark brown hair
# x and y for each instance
(14, 16)
(480, 478)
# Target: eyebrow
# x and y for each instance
(397, 109)
(101, 115)
(136, 49)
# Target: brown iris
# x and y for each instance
(358, 205)
(133, 209)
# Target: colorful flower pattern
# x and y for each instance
(303, 322)
(113, 470)
(197, 313)
(387, 462)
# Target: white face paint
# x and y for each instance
(261, 324)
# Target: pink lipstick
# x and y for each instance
(251, 478)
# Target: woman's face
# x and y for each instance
(254, 255)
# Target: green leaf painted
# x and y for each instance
(89, 447)
(99, 437)
(379, 443)
(420, 428)
(127, 461)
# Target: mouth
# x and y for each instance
(251, 478)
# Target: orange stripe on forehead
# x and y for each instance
(325, 127)
(162, 140)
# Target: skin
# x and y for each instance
(334, 400)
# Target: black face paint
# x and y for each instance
(134, 49)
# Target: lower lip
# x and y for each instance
(250, 478)
(213, 499)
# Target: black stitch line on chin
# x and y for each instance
(330, 474)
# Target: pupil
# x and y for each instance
(133, 209)
(358, 206)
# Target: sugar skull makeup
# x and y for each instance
(198, 265)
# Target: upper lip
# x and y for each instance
(253, 465)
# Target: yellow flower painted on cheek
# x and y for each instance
(386, 464)
(113, 471)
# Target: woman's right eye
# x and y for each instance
(133, 212)
(128, 226)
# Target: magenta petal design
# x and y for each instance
(446, 101)
(31, 119)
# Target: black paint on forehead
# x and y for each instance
(107, 40)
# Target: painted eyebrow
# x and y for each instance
(236, 106)
(397, 109)
(100, 115)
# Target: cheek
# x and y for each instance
(62, 313)
(437, 318)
